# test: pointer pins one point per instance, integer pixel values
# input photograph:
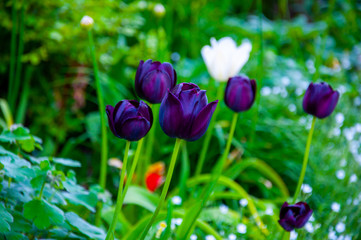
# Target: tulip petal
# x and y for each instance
(171, 115)
(302, 219)
(168, 68)
(145, 111)
(286, 224)
(327, 104)
(134, 128)
(110, 110)
(153, 181)
(201, 122)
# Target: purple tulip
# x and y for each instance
(130, 119)
(294, 216)
(185, 112)
(240, 93)
(153, 79)
(320, 100)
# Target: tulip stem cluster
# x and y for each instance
(104, 143)
(120, 191)
(305, 160)
(209, 133)
(165, 187)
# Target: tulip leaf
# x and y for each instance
(66, 162)
(141, 197)
(84, 227)
(86, 199)
(5, 219)
(43, 213)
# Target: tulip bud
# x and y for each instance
(294, 216)
(224, 59)
(185, 113)
(130, 119)
(153, 79)
(240, 93)
(159, 10)
(320, 100)
(87, 22)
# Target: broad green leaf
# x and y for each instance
(15, 236)
(5, 219)
(19, 133)
(28, 145)
(63, 233)
(66, 162)
(84, 227)
(17, 168)
(141, 197)
(86, 199)
(43, 213)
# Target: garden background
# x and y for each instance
(54, 98)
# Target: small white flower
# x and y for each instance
(335, 207)
(210, 237)
(178, 221)
(353, 178)
(241, 228)
(285, 81)
(232, 236)
(358, 127)
(309, 228)
(159, 10)
(177, 200)
(243, 202)
(340, 227)
(332, 235)
(265, 91)
(306, 188)
(347, 237)
(343, 162)
(269, 211)
(87, 22)
(224, 59)
(193, 237)
(336, 132)
(357, 101)
(312, 218)
(276, 90)
(223, 209)
(339, 118)
(293, 235)
(292, 107)
(340, 174)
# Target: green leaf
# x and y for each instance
(19, 133)
(28, 145)
(66, 162)
(141, 197)
(84, 227)
(88, 200)
(5, 219)
(17, 168)
(43, 213)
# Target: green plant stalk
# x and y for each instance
(15, 90)
(260, 67)
(24, 96)
(41, 190)
(149, 145)
(165, 187)
(120, 191)
(286, 235)
(185, 170)
(217, 171)
(104, 143)
(209, 133)
(12, 49)
(305, 160)
(132, 169)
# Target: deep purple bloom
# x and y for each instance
(153, 79)
(294, 216)
(130, 119)
(185, 112)
(240, 93)
(320, 100)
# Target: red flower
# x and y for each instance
(154, 176)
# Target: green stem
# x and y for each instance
(104, 143)
(305, 160)
(12, 50)
(15, 90)
(260, 71)
(24, 96)
(150, 145)
(165, 187)
(216, 174)
(120, 190)
(132, 169)
(286, 235)
(41, 190)
(209, 133)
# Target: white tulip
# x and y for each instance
(224, 59)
